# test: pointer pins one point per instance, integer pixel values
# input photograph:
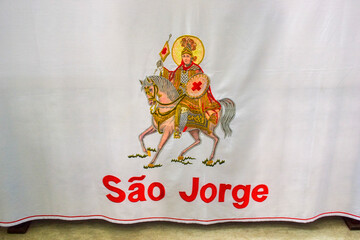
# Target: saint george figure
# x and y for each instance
(205, 106)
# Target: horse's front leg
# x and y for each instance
(148, 131)
(165, 136)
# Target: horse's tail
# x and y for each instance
(228, 111)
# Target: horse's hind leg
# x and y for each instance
(195, 134)
(148, 131)
(216, 140)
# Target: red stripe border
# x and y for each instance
(182, 219)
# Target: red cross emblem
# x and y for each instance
(196, 86)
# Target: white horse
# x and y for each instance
(163, 98)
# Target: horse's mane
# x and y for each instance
(163, 84)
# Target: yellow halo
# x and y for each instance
(199, 52)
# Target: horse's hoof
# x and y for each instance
(209, 162)
(180, 158)
(150, 165)
(149, 153)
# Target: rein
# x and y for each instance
(156, 90)
(155, 110)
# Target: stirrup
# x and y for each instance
(177, 134)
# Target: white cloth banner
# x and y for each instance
(72, 110)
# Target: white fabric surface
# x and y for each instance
(71, 108)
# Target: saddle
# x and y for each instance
(195, 117)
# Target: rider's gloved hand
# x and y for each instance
(159, 64)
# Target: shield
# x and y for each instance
(197, 85)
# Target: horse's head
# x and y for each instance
(159, 90)
(150, 89)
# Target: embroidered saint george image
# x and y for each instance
(181, 99)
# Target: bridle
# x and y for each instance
(154, 107)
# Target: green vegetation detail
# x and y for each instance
(142, 155)
(137, 155)
(155, 166)
(183, 161)
(214, 163)
(151, 149)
